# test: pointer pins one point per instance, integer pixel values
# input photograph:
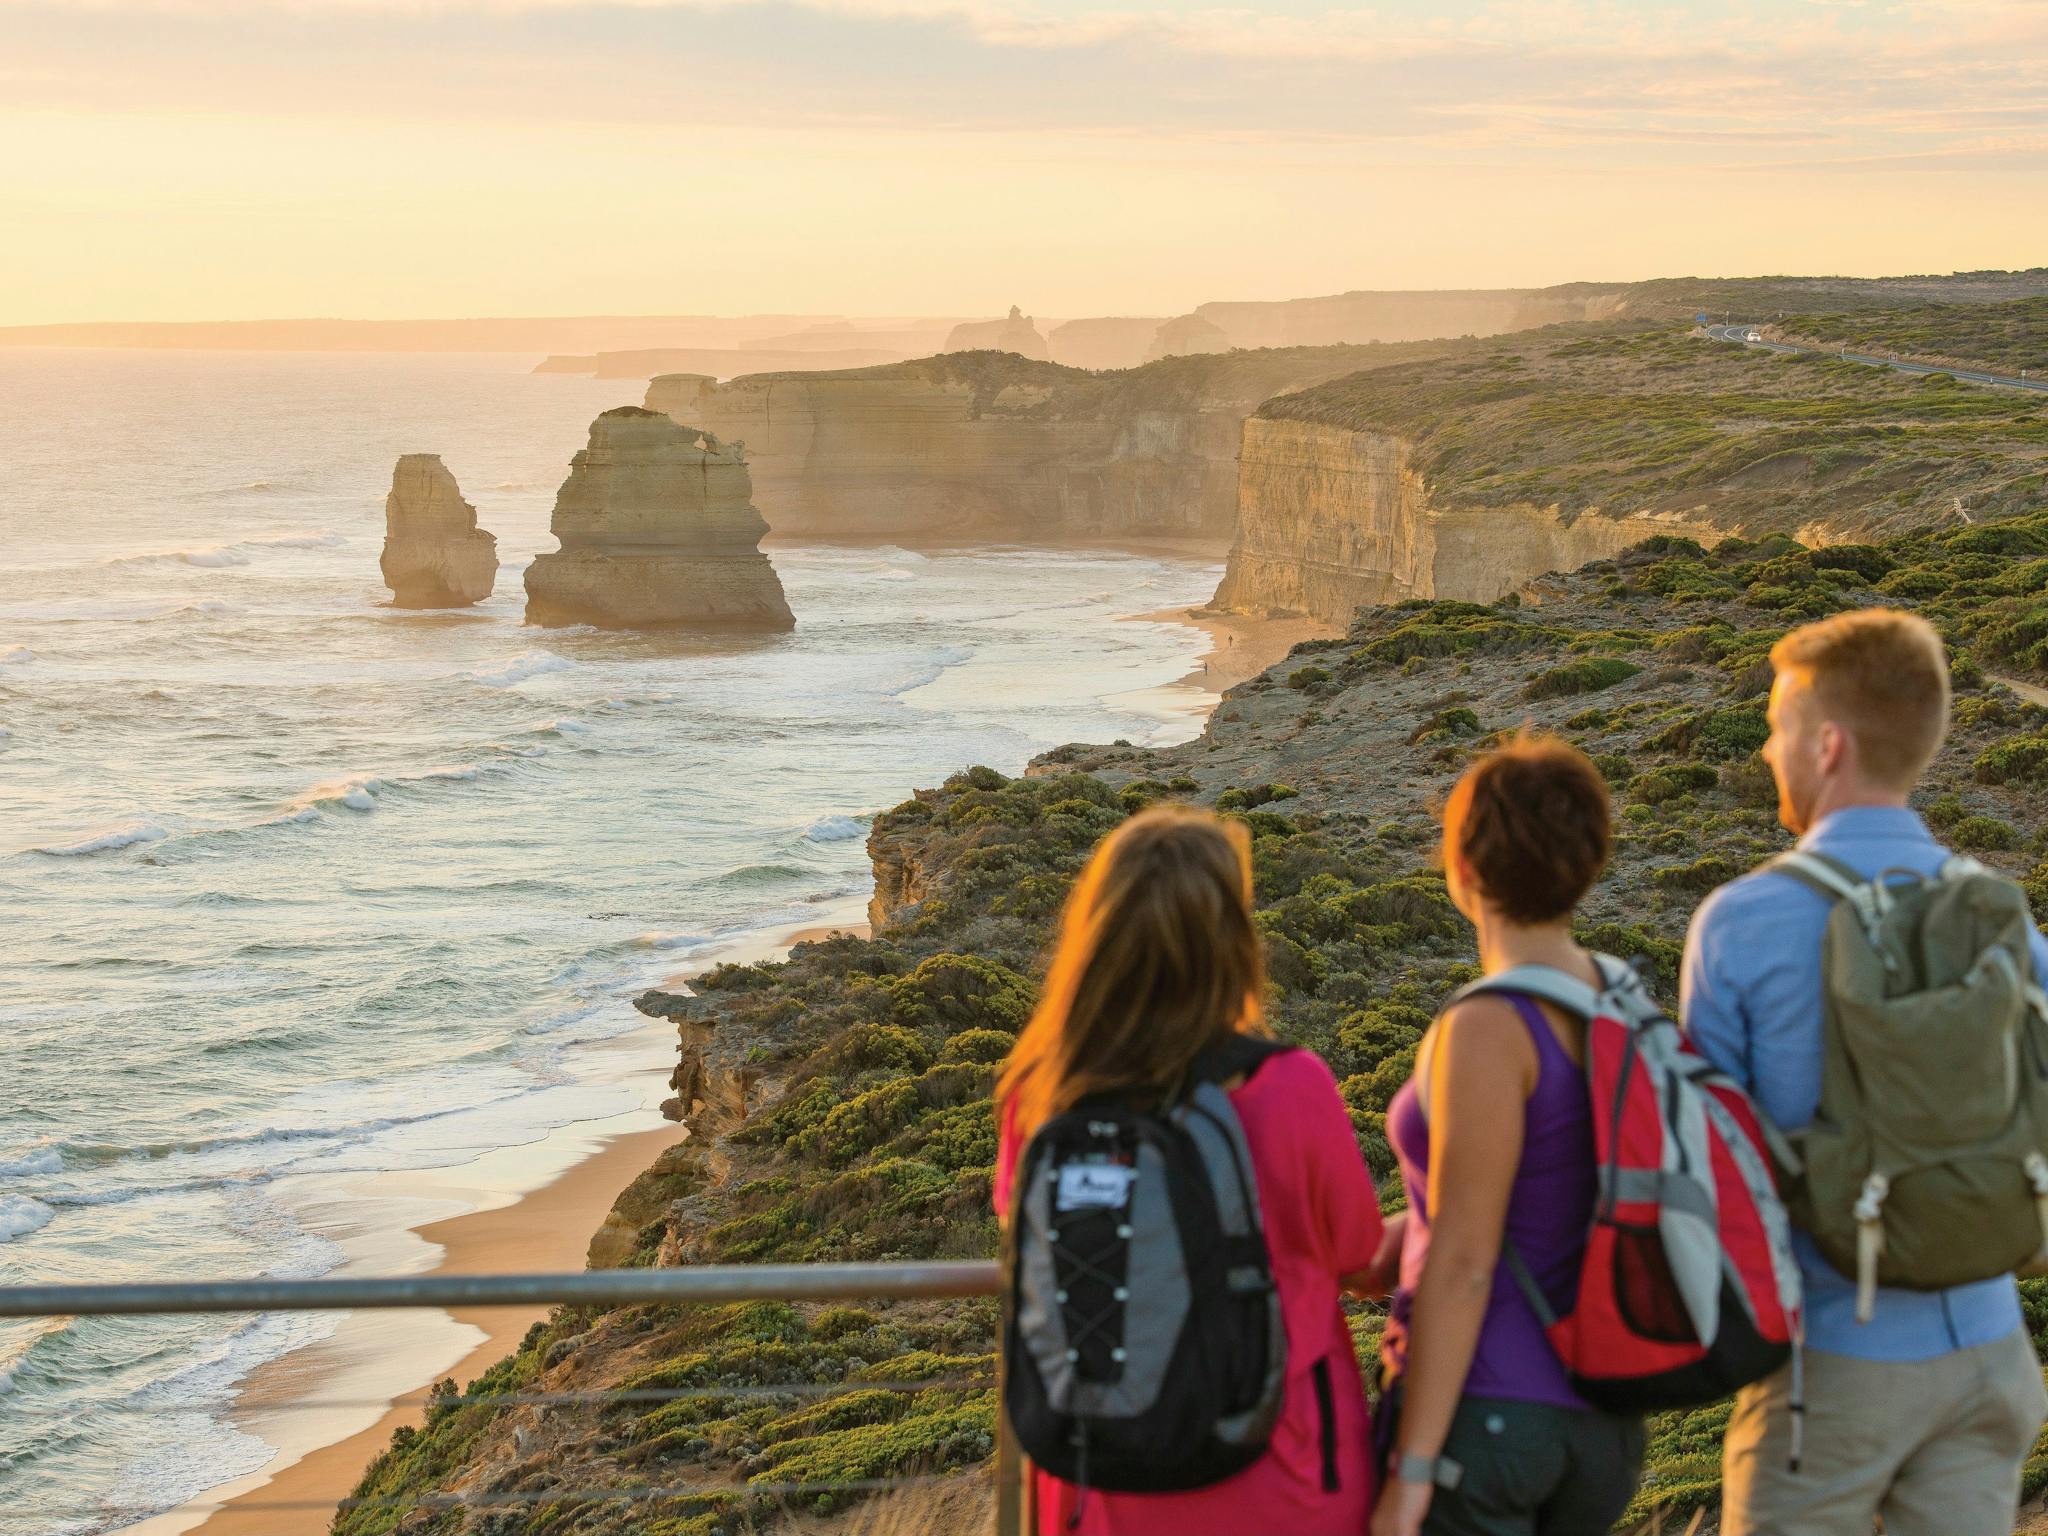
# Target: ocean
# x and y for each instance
(297, 889)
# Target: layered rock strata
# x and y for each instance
(434, 556)
(978, 445)
(1331, 519)
(658, 530)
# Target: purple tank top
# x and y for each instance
(1549, 1211)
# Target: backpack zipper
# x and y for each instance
(1326, 1411)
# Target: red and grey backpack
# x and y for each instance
(1689, 1288)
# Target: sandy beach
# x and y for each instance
(1241, 646)
(331, 1407)
(545, 1231)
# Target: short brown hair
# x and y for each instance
(1531, 821)
(1882, 676)
(1158, 959)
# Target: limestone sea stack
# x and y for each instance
(658, 531)
(435, 556)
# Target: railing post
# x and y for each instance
(1012, 1472)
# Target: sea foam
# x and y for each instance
(16, 655)
(520, 668)
(19, 1216)
(106, 842)
(835, 829)
(31, 1160)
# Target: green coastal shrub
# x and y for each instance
(1588, 676)
(1983, 834)
(2023, 760)
(1661, 785)
(1238, 799)
(952, 992)
(1307, 677)
(982, 1047)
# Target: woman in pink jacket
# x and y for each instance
(1158, 959)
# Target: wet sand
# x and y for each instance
(331, 1407)
(547, 1230)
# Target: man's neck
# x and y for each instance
(1850, 797)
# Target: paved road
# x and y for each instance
(1740, 334)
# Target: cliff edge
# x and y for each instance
(658, 530)
(1467, 474)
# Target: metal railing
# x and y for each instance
(702, 1285)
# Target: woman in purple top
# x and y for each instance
(1494, 1137)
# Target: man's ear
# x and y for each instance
(1837, 749)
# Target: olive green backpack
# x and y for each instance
(1927, 1165)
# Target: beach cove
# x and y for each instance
(354, 900)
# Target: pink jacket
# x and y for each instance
(1322, 1222)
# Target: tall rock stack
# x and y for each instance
(658, 530)
(435, 556)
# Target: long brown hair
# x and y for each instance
(1157, 960)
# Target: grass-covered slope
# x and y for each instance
(864, 1065)
(1995, 338)
(1627, 419)
(1005, 385)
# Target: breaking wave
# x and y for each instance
(124, 836)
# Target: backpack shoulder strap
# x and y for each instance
(1819, 872)
(1240, 1055)
(1551, 985)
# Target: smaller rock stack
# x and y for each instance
(658, 530)
(435, 556)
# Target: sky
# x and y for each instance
(226, 159)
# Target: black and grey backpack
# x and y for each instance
(1145, 1351)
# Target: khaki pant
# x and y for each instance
(1934, 1446)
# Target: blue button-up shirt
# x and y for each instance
(1752, 1003)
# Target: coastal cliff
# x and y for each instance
(1467, 474)
(984, 445)
(1330, 520)
(657, 530)
(839, 1101)
(434, 555)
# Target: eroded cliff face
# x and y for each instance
(658, 530)
(977, 445)
(1332, 519)
(434, 556)
(902, 879)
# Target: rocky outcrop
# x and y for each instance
(1109, 342)
(1331, 519)
(435, 556)
(658, 530)
(1187, 336)
(1017, 333)
(979, 445)
(901, 878)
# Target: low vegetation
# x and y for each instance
(1995, 338)
(1629, 418)
(869, 1061)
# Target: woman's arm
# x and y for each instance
(1481, 1069)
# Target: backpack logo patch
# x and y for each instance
(1094, 1187)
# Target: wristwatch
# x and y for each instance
(1440, 1470)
